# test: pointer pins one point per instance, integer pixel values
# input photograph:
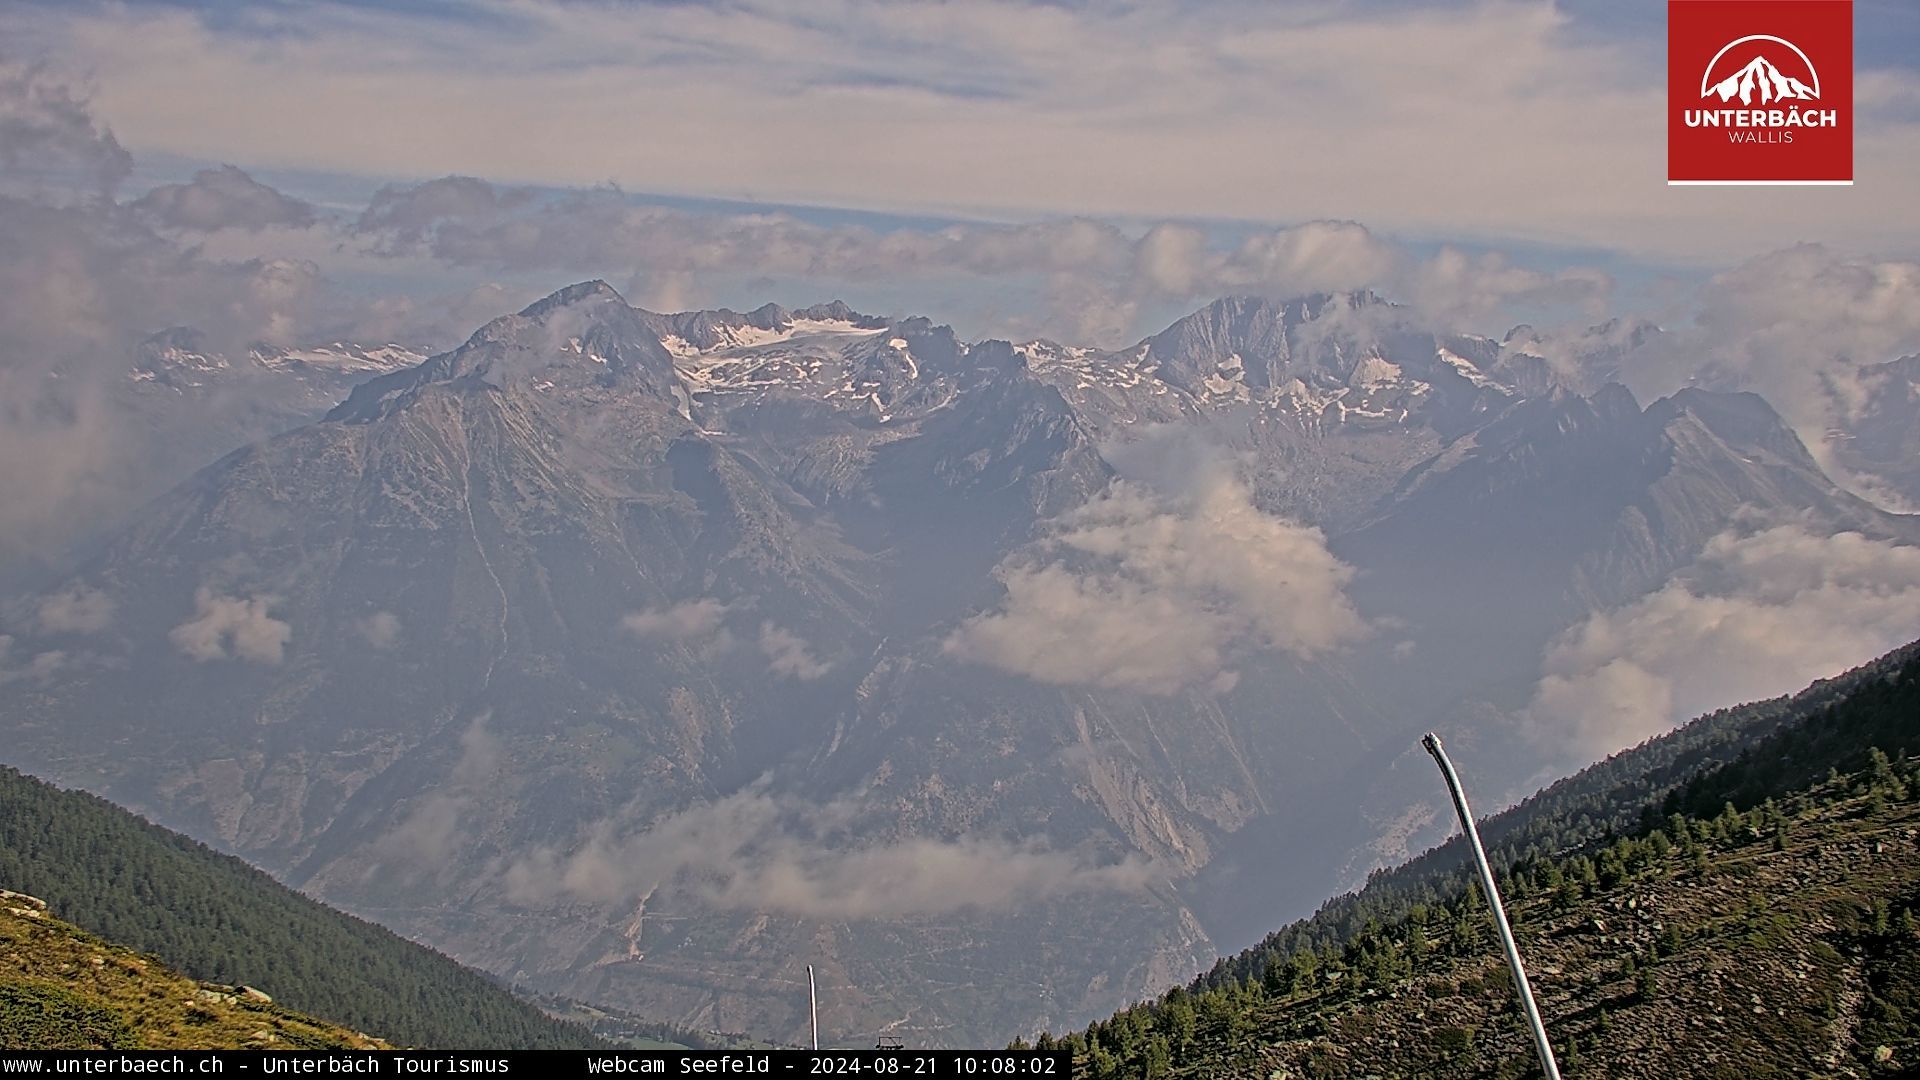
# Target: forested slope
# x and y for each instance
(1735, 899)
(217, 919)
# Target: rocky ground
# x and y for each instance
(1769, 957)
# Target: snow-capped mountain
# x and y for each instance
(851, 362)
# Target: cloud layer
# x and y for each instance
(761, 852)
(1095, 276)
(1757, 616)
(1490, 119)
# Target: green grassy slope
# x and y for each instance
(62, 988)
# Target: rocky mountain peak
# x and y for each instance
(582, 337)
(1260, 332)
(582, 293)
(838, 311)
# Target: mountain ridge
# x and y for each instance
(562, 592)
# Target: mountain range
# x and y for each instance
(644, 659)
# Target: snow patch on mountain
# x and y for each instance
(181, 359)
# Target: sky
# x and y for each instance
(1527, 134)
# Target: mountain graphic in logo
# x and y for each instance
(1763, 82)
(1760, 81)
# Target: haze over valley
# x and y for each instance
(1045, 604)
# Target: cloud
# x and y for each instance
(1140, 591)
(1797, 326)
(1497, 119)
(1794, 325)
(761, 852)
(1757, 616)
(83, 280)
(431, 831)
(1466, 288)
(380, 629)
(406, 216)
(228, 627)
(45, 664)
(79, 610)
(1095, 277)
(789, 654)
(223, 198)
(80, 286)
(1318, 256)
(42, 667)
(467, 221)
(48, 138)
(686, 621)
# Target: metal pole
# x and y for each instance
(813, 1008)
(1552, 1068)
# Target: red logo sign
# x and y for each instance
(1760, 91)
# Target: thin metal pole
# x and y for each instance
(813, 1008)
(1552, 1068)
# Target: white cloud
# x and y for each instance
(1139, 591)
(689, 620)
(380, 629)
(42, 667)
(230, 627)
(1466, 289)
(223, 198)
(48, 138)
(1796, 326)
(79, 610)
(84, 279)
(1318, 256)
(789, 654)
(1757, 616)
(757, 851)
